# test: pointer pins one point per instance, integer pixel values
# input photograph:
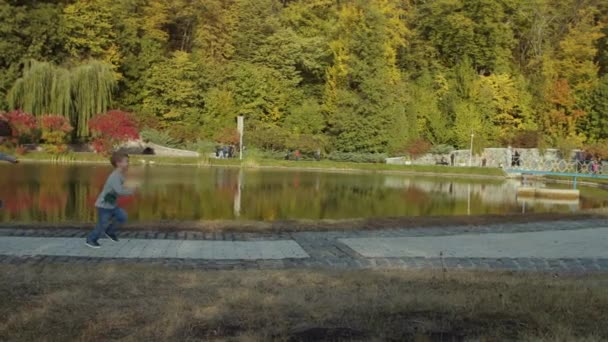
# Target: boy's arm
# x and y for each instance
(8, 158)
(119, 189)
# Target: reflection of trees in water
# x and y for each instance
(61, 193)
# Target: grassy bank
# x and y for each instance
(582, 180)
(74, 302)
(268, 163)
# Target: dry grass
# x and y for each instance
(119, 302)
(326, 225)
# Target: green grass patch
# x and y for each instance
(438, 169)
(589, 179)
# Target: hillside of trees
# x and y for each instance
(373, 76)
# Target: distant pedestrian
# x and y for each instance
(578, 158)
(517, 158)
(298, 155)
(226, 152)
(318, 154)
(452, 157)
(595, 166)
(109, 215)
(5, 132)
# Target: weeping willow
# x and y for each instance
(76, 94)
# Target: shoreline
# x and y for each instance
(322, 166)
(325, 166)
(293, 226)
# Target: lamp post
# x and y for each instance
(471, 150)
(240, 125)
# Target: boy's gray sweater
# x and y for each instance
(114, 186)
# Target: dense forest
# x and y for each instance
(376, 76)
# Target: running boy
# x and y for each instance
(109, 215)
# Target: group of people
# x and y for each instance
(5, 132)
(223, 152)
(585, 162)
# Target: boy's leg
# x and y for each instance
(103, 219)
(119, 217)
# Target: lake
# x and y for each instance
(60, 193)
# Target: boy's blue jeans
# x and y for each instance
(108, 221)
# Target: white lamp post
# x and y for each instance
(471, 151)
(240, 125)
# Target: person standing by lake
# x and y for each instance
(109, 215)
(5, 132)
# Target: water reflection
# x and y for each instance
(52, 193)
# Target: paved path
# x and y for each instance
(581, 243)
(153, 248)
(564, 246)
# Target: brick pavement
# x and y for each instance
(564, 246)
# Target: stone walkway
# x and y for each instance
(564, 246)
(153, 248)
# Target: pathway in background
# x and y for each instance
(565, 246)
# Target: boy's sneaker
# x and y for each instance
(93, 244)
(112, 237)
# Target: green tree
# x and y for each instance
(477, 29)
(364, 91)
(77, 93)
(424, 96)
(172, 94)
(141, 39)
(87, 26)
(595, 124)
(27, 32)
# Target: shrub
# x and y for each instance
(417, 148)
(23, 126)
(441, 149)
(306, 143)
(598, 149)
(357, 157)
(183, 132)
(267, 138)
(111, 129)
(55, 130)
(159, 137)
(228, 136)
(567, 144)
(201, 146)
(524, 139)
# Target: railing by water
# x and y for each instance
(560, 168)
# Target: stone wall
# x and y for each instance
(494, 157)
(137, 147)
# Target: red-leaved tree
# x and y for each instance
(111, 129)
(22, 124)
(228, 136)
(55, 130)
(417, 148)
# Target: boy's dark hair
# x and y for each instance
(117, 157)
(5, 128)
